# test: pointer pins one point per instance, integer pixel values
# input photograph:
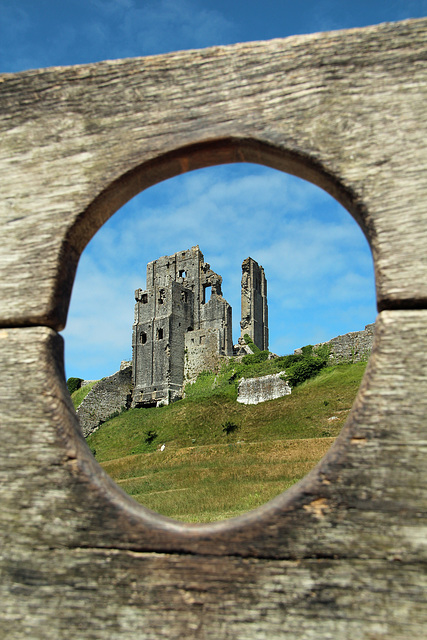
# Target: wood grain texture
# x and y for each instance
(100, 594)
(343, 554)
(346, 110)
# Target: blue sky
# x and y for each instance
(317, 262)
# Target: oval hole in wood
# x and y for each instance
(177, 248)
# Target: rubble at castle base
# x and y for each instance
(256, 390)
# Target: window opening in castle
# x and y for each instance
(207, 289)
(162, 296)
(143, 337)
(182, 273)
(159, 334)
(144, 298)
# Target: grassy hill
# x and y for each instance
(222, 458)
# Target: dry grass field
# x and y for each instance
(218, 481)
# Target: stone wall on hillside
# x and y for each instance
(256, 390)
(351, 347)
(106, 398)
(114, 394)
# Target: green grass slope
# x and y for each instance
(80, 394)
(205, 473)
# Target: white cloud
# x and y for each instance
(317, 263)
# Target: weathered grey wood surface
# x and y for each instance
(341, 555)
(346, 110)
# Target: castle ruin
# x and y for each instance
(254, 320)
(183, 325)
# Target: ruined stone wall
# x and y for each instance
(202, 353)
(107, 397)
(217, 314)
(183, 296)
(256, 390)
(350, 347)
(162, 317)
(254, 320)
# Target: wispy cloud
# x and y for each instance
(318, 266)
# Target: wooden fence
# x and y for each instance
(343, 553)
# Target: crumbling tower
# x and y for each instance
(182, 326)
(254, 303)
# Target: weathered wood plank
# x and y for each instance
(100, 594)
(346, 110)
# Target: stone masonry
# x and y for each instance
(107, 397)
(254, 303)
(114, 394)
(256, 390)
(182, 326)
(350, 347)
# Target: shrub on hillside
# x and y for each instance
(255, 358)
(300, 371)
(151, 436)
(307, 350)
(73, 384)
(283, 362)
(251, 344)
(229, 427)
(307, 364)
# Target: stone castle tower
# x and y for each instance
(254, 303)
(181, 322)
(183, 325)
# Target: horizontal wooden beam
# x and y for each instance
(346, 110)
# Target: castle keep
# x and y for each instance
(183, 325)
